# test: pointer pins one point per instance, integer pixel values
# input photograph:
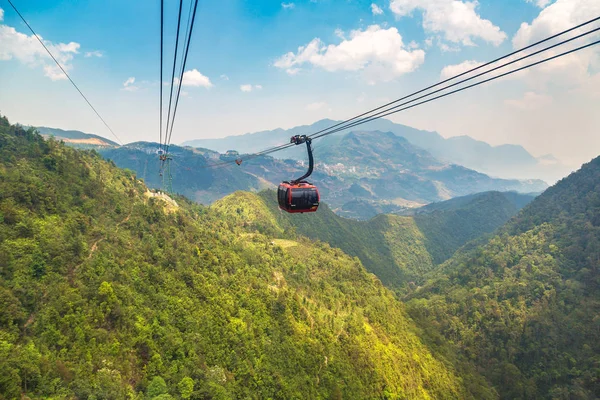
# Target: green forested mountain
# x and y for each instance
(400, 250)
(450, 224)
(525, 306)
(514, 199)
(108, 291)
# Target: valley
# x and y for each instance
(111, 290)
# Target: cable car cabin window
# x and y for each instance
(304, 198)
(282, 196)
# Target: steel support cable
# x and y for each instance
(174, 64)
(463, 81)
(356, 123)
(251, 156)
(65, 72)
(187, 31)
(181, 71)
(189, 39)
(367, 119)
(462, 74)
(473, 85)
(162, 20)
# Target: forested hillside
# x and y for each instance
(400, 250)
(108, 291)
(525, 306)
(449, 225)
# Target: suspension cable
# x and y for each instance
(462, 74)
(187, 48)
(468, 79)
(393, 110)
(174, 64)
(470, 86)
(386, 112)
(162, 20)
(65, 72)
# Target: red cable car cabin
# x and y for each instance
(299, 196)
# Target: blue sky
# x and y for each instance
(248, 73)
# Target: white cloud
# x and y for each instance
(224, 77)
(248, 87)
(569, 72)
(540, 3)
(530, 101)
(316, 106)
(375, 9)
(380, 53)
(559, 16)
(288, 6)
(95, 53)
(196, 79)
(292, 71)
(29, 51)
(451, 70)
(1, 14)
(446, 49)
(129, 86)
(458, 20)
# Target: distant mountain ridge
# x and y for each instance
(77, 138)
(505, 161)
(364, 174)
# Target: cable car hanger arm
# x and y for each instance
(299, 140)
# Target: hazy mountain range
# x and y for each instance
(505, 161)
(365, 174)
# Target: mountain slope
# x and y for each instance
(76, 138)
(449, 225)
(389, 168)
(525, 305)
(400, 250)
(189, 171)
(506, 161)
(111, 292)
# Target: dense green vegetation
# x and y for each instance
(525, 306)
(449, 225)
(400, 250)
(108, 292)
